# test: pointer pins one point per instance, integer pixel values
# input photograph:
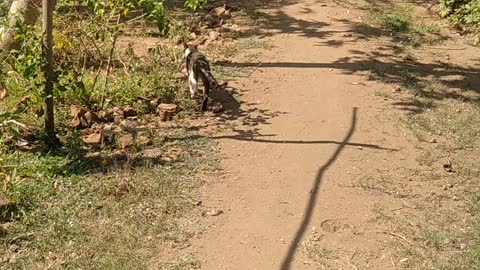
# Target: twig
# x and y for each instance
(136, 18)
(351, 258)
(16, 123)
(353, 255)
(96, 77)
(112, 50)
(399, 236)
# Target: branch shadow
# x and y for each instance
(312, 201)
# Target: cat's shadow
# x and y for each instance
(224, 97)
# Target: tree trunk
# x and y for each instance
(47, 48)
(28, 10)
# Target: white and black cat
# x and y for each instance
(199, 67)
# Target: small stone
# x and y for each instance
(117, 119)
(78, 121)
(105, 116)
(129, 125)
(13, 248)
(455, 198)
(432, 140)
(90, 118)
(76, 110)
(94, 138)
(213, 35)
(144, 140)
(152, 153)
(166, 111)
(129, 111)
(192, 36)
(444, 187)
(450, 185)
(219, 11)
(117, 111)
(214, 212)
(125, 141)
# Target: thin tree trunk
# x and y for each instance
(47, 34)
(28, 10)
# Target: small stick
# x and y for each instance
(399, 236)
(109, 64)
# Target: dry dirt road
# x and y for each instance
(310, 127)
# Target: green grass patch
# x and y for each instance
(405, 27)
(72, 218)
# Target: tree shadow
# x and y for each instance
(313, 197)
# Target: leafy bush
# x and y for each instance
(461, 12)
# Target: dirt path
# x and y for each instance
(311, 127)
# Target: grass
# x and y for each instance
(76, 219)
(402, 23)
(382, 93)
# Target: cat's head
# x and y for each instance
(189, 49)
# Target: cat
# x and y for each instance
(199, 67)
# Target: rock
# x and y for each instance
(144, 140)
(117, 111)
(129, 125)
(397, 89)
(219, 11)
(91, 117)
(108, 128)
(152, 153)
(213, 212)
(166, 111)
(117, 119)
(432, 140)
(214, 35)
(126, 141)
(129, 111)
(82, 118)
(192, 36)
(76, 110)
(94, 138)
(13, 248)
(105, 116)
